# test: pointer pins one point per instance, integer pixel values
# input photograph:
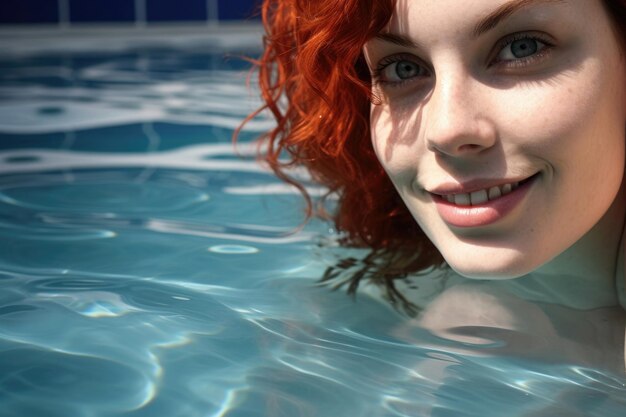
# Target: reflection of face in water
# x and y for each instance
(505, 141)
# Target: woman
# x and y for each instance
(488, 136)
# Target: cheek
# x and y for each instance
(379, 127)
(540, 116)
(572, 121)
(394, 136)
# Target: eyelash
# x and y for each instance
(377, 73)
(522, 62)
(377, 77)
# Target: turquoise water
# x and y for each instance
(148, 270)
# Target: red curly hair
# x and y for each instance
(313, 58)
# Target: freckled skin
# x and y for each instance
(561, 116)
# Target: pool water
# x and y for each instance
(146, 269)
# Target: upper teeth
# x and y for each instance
(481, 196)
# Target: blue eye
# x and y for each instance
(404, 70)
(395, 70)
(522, 49)
(518, 50)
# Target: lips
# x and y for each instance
(480, 204)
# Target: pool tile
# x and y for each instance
(238, 9)
(28, 11)
(102, 11)
(164, 10)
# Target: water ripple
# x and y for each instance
(188, 158)
(72, 379)
(62, 234)
(228, 233)
(146, 269)
(234, 249)
(103, 197)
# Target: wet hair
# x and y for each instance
(314, 80)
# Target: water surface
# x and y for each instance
(146, 269)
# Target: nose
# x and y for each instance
(456, 118)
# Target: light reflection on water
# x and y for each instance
(147, 270)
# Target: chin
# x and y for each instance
(492, 266)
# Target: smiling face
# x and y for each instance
(501, 124)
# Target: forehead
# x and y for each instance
(436, 18)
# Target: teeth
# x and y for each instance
(462, 199)
(494, 192)
(480, 196)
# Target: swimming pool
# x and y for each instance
(149, 270)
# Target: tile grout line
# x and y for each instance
(212, 13)
(64, 13)
(140, 13)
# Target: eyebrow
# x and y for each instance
(484, 25)
(494, 18)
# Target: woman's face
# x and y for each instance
(501, 124)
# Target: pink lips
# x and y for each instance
(481, 214)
